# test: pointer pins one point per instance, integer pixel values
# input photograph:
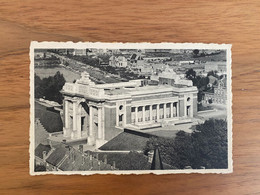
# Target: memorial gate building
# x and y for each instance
(99, 112)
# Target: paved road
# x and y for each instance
(219, 113)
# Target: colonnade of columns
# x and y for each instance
(75, 130)
(173, 112)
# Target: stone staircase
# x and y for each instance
(41, 134)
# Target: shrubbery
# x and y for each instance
(127, 161)
(205, 147)
(199, 81)
(49, 88)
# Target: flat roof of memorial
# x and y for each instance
(147, 89)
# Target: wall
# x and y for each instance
(195, 105)
(110, 123)
(181, 108)
(128, 114)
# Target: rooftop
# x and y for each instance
(40, 149)
(125, 142)
(135, 87)
(67, 158)
(57, 155)
(148, 89)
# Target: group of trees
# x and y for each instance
(49, 88)
(127, 161)
(205, 147)
(197, 53)
(200, 81)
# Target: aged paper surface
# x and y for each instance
(130, 108)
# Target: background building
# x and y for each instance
(219, 66)
(119, 61)
(219, 93)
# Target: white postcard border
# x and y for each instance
(99, 45)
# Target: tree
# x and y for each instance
(49, 88)
(39, 168)
(213, 73)
(210, 145)
(199, 81)
(207, 147)
(196, 52)
(202, 83)
(190, 74)
(165, 146)
(130, 161)
(135, 161)
(38, 91)
(176, 152)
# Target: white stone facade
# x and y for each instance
(97, 113)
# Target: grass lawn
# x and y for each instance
(203, 107)
(51, 121)
(165, 133)
(46, 72)
(125, 142)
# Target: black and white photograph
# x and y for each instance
(130, 108)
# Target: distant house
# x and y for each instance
(212, 81)
(157, 50)
(119, 61)
(219, 66)
(80, 52)
(219, 93)
(136, 60)
(67, 158)
(187, 62)
(169, 77)
(41, 152)
(39, 55)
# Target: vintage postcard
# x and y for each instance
(130, 108)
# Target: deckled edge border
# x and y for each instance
(142, 45)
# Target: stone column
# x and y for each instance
(158, 112)
(191, 108)
(177, 109)
(143, 113)
(164, 110)
(185, 105)
(103, 122)
(66, 113)
(79, 121)
(136, 114)
(117, 116)
(151, 112)
(90, 136)
(99, 123)
(66, 119)
(90, 120)
(74, 119)
(171, 106)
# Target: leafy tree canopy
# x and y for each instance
(196, 52)
(199, 81)
(49, 88)
(213, 73)
(130, 161)
(205, 147)
(190, 74)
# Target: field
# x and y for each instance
(46, 72)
